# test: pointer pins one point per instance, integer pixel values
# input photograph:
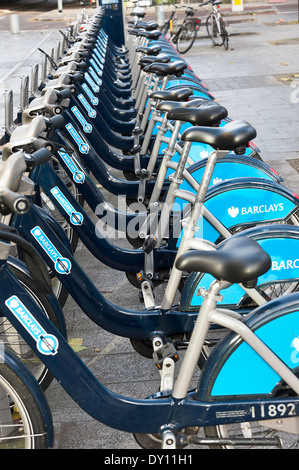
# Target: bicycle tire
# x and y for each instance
(213, 32)
(186, 37)
(165, 28)
(24, 426)
(15, 343)
(224, 34)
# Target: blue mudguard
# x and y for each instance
(241, 203)
(7, 357)
(281, 242)
(234, 166)
(235, 371)
(230, 167)
(199, 151)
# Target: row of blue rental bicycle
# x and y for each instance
(205, 217)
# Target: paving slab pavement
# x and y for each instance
(256, 79)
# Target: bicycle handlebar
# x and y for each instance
(15, 202)
(43, 155)
(63, 94)
(209, 1)
(11, 171)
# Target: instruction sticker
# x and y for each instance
(78, 175)
(91, 112)
(95, 88)
(95, 76)
(61, 265)
(76, 218)
(94, 100)
(85, 125)
(96, 68)
(83, 146)
(46, 344)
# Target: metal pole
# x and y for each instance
(60, 5)
(14, 24)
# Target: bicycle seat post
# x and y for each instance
(156, 147)
(148, 107)
(168, 154)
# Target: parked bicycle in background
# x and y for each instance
(215, 24)
(181, 33)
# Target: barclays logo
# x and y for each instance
(233, 211)
(252, 210)
(295, 352)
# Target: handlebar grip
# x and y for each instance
(53, 109)
(41, 156)
(55, 122)
(82, 66)
(84, 54)
(42, 143)
(63, 94)
(76, 77)
(15, 202)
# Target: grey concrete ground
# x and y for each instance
(257, 80)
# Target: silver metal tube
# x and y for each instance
(196, 342)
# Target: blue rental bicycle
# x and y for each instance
(236, 406)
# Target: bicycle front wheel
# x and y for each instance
(213, 31)
(186, 37)
(21, 423)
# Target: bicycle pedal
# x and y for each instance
(142, 174)
(137, 131)
(136, 149)
(166, 351)
(149, 244)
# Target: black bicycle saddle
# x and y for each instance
(153, 35)
(167, 106)
(172, 95)
(173, 68)
(148, 26)
(233, 136)
(236, 260)
(139, 14)
(152, 50)
(208, 113)
(161, 58)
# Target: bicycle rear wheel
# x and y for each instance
(213, 32)
(224, 34)
(186, 37)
